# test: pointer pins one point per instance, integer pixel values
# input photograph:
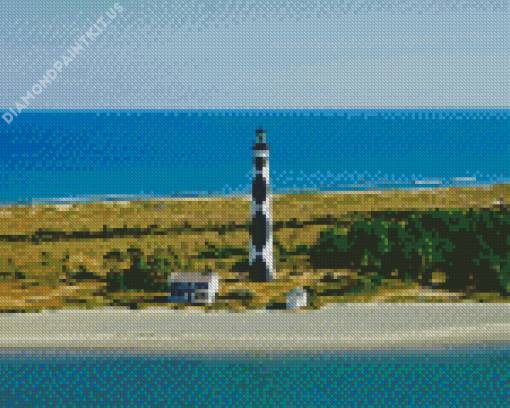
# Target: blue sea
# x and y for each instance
(477, 376)
(56, 156)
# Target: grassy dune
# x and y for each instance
(62, 256)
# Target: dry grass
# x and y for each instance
(91, 231)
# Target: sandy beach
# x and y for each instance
(334, 327)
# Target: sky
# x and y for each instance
(274, 54)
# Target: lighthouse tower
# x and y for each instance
(261, 229)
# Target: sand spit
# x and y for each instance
(334, 327)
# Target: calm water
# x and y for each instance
(126, 154)
(456, 377)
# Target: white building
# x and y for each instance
(296, 299)
(193, 287)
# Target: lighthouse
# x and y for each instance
(261, 228)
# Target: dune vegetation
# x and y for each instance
(441, 245)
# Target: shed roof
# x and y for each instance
(297, 291)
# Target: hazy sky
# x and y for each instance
(258, 54)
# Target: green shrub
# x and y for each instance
(331, 250)
(8, 270)
(369, 245)
(480, 255)
(423, 246)
(302, 250)
(148, 273)
(215, 252)
(471, 248)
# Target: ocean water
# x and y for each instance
(73, 156)
(476, 376)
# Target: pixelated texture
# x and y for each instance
(258, 55)
(125, 162)
(132, 154)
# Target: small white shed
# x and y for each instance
(296, 299)
(193, 287)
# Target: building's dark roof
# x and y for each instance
(192, 276)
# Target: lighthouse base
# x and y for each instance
(259, 272)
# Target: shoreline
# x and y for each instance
(334, 328)
(68, 201)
